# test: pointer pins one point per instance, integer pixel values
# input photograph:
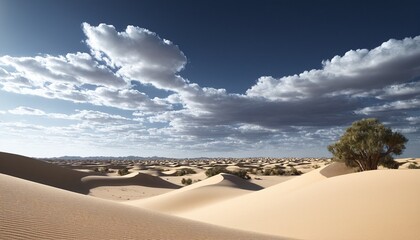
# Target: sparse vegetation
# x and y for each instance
(316, 166)
(218, 169)
(391, 164)
(184, 171)
(267, 171)
(187, 181)
(278, 171)
(413, 166)
(275, 171)
(101, 169)
(242, 173)
(123, 171)
(368, 143)
(293, 172)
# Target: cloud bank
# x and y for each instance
(305, 109)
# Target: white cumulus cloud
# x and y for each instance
(138, 53)
(307, 108)
(358, 71)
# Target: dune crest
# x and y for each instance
(209, 191)
(34, 211)
(42, 172)
(139, 179)
(366, 205)
(326, 203)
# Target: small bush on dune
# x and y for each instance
(123, 171)
(413, 166)
(218, 169)
(316, 166)
(184, 171)
(101, 169)
(253, 171)
(275, 171)
(187, 181)
(267, 171)
(242, 174)
(390, 163)
(293, 172)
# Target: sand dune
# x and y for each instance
(128, 187)
(42, 172)
(203, 193)
(326, 203)
(208, 192)
(34, 211)
(72, 180)
(139, 179)
(367, 205)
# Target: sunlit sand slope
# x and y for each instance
(139, 179)
(203, 193)
(368, 205)
(34, 211)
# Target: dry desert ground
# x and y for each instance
(87, 199)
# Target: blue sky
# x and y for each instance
(204, 78)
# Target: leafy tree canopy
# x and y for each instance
(368, 143)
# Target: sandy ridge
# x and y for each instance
(367, 205)
(35, 211)
(42, 172)
(209, 191)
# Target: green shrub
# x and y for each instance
(123, 171)
(187, 181)
(413, 166)
(218, 169)
(101, 169)
(390, 164)
(267, 171)
(253, 170)
(241, 173)
(184, 171)
(275, 171)
(293, 172)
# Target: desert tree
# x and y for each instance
(368, 143)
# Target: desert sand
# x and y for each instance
(203, 193)
(30, 210)
(42, 172)
(33, 211)
(132, 186)
(40, 200)
(322, 205)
